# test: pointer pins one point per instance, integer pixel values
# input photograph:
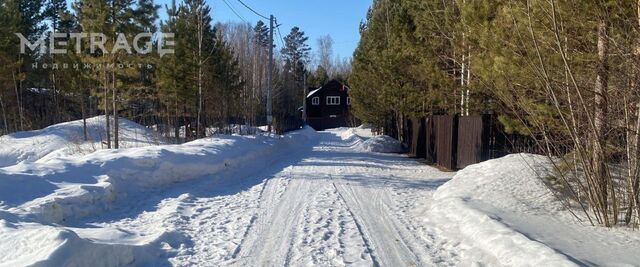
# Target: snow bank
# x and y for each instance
(470, 204)
(382, 144)
(501, 207)
(363, 140)
(66, 139)
(63, 188)
(36, 197)
(30, 244)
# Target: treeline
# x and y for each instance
(216, 77)
(565, 73)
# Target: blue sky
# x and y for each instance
(338, 18)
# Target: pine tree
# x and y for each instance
(202, 80)
(295, 55)
(61, 21)
(404, 66)
(170, 81)
(112, 17)
(369, 81)
(260, 69)
(30, 24)
(318, 78)
(10, 20)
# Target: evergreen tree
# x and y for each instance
(9, 63)
(200, 84)
(173, 71)
(295, 55)
(371, 102)
(295, 52)
(113, 17)
(318, 78)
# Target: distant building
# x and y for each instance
(329, 107)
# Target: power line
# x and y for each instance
(279, 34)
(281, 39)
(264, 17)
(234, 11)
(253, 10)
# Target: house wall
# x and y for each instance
(323, 116)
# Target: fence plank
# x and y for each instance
(473, 140)
(418, 138)
(445, 127)
(430, 141)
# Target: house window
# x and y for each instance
(333, 100)
(315, 101)
(349, 101)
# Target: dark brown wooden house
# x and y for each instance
(328, 106)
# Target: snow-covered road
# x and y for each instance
(322, 203)
(303, 199)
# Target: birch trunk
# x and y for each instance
(106, 109)
(116, 128)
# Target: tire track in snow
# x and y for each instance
(329, 234)
(366, 240)
(387, 244)
(252, 222)
(330, 207)
(269, 240)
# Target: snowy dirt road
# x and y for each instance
(323, 204)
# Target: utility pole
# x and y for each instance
(270, 76)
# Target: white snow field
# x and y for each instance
(502, 209)
(304, 199)
(67, 139)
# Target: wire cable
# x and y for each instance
(281, 39)
(234, 11)
(279, 34)
(253, 10)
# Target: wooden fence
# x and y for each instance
(445, 130)
(455, 142)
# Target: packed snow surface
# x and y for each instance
(303, 199)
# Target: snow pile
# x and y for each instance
(27, 244)
(66, 139)
(350, 135)
(362, 139)
(382, 144)
(503, 209)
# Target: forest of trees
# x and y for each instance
(565, 73)
(216, 77)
